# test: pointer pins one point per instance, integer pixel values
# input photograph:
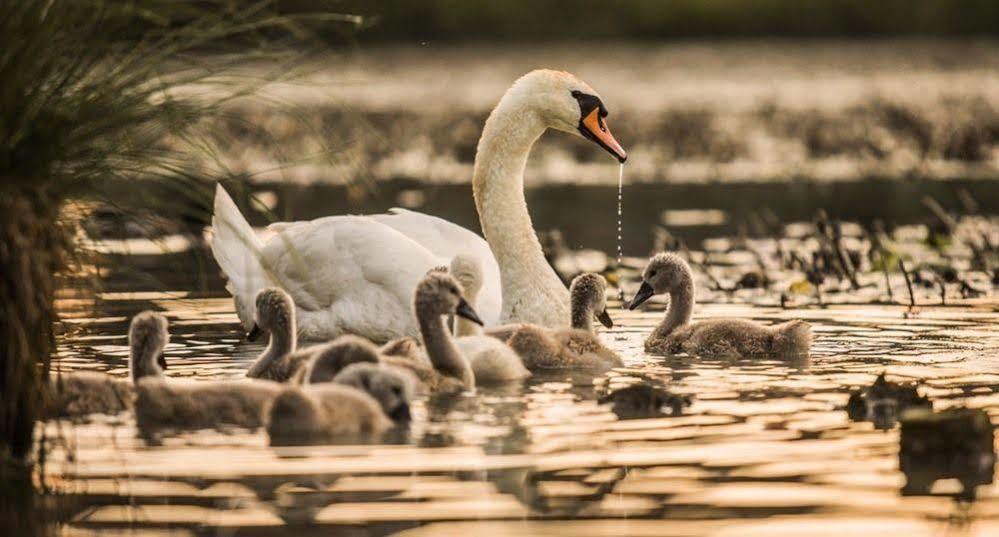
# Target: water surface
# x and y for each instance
(765, 449)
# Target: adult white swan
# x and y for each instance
(356, 274)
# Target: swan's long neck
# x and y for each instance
(681, 306)
(441, 350)
(582, 313)
(532, 292)
(282, 342)
(142, 360)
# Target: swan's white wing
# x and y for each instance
(237, 248)
(446, 240)
(349, 274)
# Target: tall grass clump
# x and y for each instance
(96, 90)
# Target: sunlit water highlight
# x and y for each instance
(765, 441)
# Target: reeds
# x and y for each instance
(98, 90)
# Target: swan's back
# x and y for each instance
(792, 339)
(740, 338)
(447, 240)
(543, 348)
(349, 274)
(346, 274)
(408, 348)
(78, 394)
(324, 413)
(491, 360)
(282, 369)
(588, 347)
(191, 404)
(537, 348)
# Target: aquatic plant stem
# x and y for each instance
(884, 270)
(908, 284)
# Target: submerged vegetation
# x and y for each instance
(84, 99)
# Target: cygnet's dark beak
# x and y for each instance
(161, 360)
(254, 333)
(401, 413)
(605, 319)
(466, 311)
(644, 293)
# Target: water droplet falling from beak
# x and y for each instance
(620, 190)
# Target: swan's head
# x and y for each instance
(275, 314)
(147, 337)
(588, 292)
(390, 386)
(332, 358)
(568, 104)
(665, 273)
(440, 294)
(468, 271)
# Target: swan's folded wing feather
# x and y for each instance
(346, 258)
(237, 250)
(446, 240)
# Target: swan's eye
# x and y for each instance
(576, 93)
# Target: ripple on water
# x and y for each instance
(762, 439)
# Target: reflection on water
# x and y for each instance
(763, 448)
(765, 444)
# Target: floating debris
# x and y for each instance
(950, 444)
(640, 401)
(884, 402)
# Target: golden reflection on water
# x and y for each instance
(761, 439)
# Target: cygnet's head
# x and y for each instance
(665, 273)
(440, 294)
(390, 386)
(275, 314)
(147, 337)
(588, 293)
(333, 357)
(564, 102)
(468, 271)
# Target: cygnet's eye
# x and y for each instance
(652, 273)
(397, 391)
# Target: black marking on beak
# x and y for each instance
(161, 360)
(466, 311)
(605, 319)
(254, 333)
(644, 293)
(593, 127)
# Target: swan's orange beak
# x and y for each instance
(595, 128)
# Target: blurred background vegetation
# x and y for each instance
(94, 91)
(674, 19)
